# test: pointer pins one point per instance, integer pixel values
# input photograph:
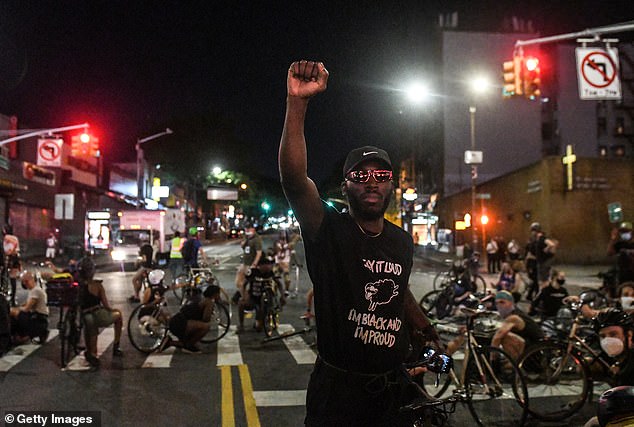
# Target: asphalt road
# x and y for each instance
(239, 381)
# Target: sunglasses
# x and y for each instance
(364, 176)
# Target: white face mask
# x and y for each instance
(505, 311)
(612, 346)
(626, 303)
(626, 236)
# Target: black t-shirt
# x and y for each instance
(550, 300)
(360, 284)
(531, 333)
(625, 260)
(146, 252)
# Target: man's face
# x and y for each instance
(613, 332)
(504, 307)
(368, 200)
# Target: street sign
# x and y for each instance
(49, 152)
(598, 73)
(615, 211)
(473, 157)
(483, 196)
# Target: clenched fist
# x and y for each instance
(306, 79)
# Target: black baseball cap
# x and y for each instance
(363, 154)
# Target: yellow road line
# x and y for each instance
(228, 417)
(249, 401)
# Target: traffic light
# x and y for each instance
(532, 78)
(512, 77)
(484, 219)
(84, 145)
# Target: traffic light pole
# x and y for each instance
(44, 131)
(595, 33)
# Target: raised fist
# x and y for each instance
(306, 79)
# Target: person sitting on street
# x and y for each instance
(31, 319)
(97, 312)
(192, 322)
(518, 330)
(550, 299)
(510, 281)
(616, 328)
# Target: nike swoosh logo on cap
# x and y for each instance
(370, 152)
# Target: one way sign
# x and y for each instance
(49, 152)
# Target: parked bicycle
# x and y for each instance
(466, 269)
(560, 369)
(185, 283)
(148, 324)
(487, 380)
(63, 292)
(308, 331)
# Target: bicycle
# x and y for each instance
(488, 381)
(425, 410)
(560, 369)
(184, 284)
(64, 293)
(148, 325)
(269, 305)
(460, 269)
(306, 330)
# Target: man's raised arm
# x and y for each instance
(305, 79)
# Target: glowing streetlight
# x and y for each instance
(417, 93)
(217, 170)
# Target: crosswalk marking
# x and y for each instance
(229, 349)
(302, 353)
(78, 363)
(18, 354)
(159, 360)
(280, 398)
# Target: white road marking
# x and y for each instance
(78, 363)
(18, 354)
(159, 360)
(229, 349)
(302, 353)
(280, 398)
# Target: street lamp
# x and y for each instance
(140, 195)
(479, 85)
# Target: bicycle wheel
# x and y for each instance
(69, 336)
(428, 302)
(495, 388)
(146, 327)
(180, 280)
(220, 321)
(478, 284)
(558, 383)
(270, 312)
(441, 279)
(434, 386)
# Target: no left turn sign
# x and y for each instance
(598, 73)
(49, 152)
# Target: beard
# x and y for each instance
(367, 212)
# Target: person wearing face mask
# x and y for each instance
(626, 297)
(518, 330)
(550, 299)
(31, 319)
(621, 245)
(615, 327)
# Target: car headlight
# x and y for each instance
(117, 255)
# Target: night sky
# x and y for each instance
(133, 68)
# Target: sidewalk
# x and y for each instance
(578, 277)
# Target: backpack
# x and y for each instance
(188, 250)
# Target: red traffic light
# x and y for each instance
(531, 63)
(84, 137)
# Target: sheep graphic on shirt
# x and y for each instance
(380, 292)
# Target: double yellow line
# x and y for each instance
(227, 404)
